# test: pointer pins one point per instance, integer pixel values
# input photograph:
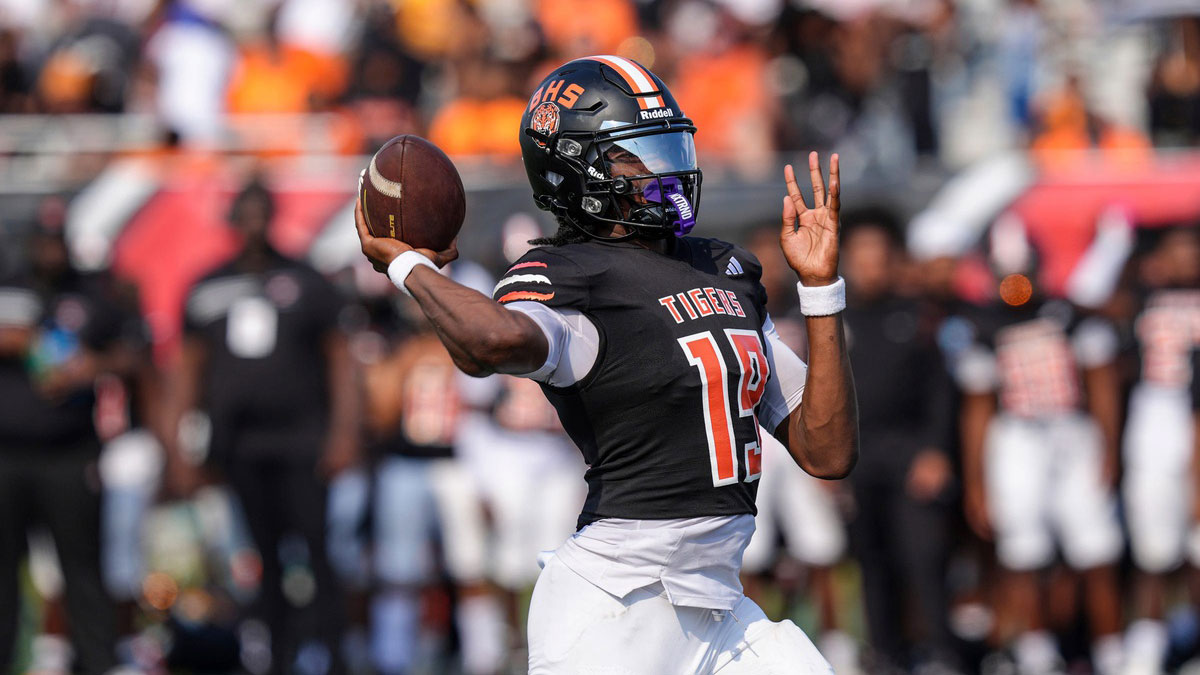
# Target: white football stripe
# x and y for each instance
(644, 85)
(388, 187)
(521, 278)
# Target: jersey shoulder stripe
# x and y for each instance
(544, 275)
(524, 295)
(522, 279)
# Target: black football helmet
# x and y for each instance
(604, 142)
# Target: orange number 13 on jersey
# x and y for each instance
(702, 351)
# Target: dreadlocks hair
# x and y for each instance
(567, 233)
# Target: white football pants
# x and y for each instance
(576, 629)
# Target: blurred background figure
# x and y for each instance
(128, 408)
(903, 481)
(411, 413)
(530, 478)
(1039, 454)
(264, 355)
(803, 513)
(1158, 440)
(428, 514)
(61, 330)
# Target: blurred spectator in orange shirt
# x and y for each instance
(439, 29)
(485, 117)
(88, 69)
(272, 77)
(1067, 124)
(1064, 121)
(580, 27)
(722, 88)
(64, 83)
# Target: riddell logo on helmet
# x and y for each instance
(656, 114)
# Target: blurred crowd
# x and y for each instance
(889, 81)
(302, 482)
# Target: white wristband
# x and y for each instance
(402, 266)
(822, 300)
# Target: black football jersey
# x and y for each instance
(76, 314)
(265, 385)
(1041, 349)
(666, 419)
(1168, 331)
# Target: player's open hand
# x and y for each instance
(381, 251)
(810, 236)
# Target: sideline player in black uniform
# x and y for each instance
(59, 330)
(264, 355)
(658, 354)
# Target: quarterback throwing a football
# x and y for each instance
(658, 354)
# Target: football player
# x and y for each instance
(1158, 438)
(263, 322)
(657, 353)
(1039, 445)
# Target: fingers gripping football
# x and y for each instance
(809, 236)
(381, 251)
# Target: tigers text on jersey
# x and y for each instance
(667, 417)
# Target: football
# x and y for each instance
(411, 191)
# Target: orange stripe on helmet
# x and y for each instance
(638, 78)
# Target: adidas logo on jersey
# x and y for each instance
(734, 268)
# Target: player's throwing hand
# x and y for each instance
(381, 251)
(810, 236)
